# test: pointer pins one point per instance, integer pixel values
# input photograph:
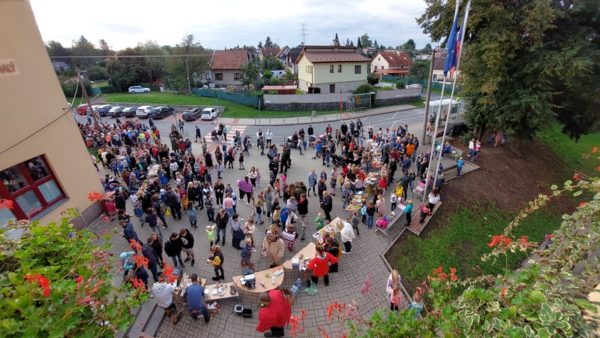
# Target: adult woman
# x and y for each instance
(259, 205)
(347, 235)
(253, 174)
(370, 213)
(433, 198)
(319, 265)
(327, 205)
(392, 289)
(303, 211)
(173, 249)
(269, 200)
(245, 188)
(157, 246)
(273, 246)
(380, 205)
(237, 231)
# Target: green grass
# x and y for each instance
(576, 155)
(462, 242)
(418, 103)
(98, 84)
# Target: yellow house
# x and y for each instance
(44, 165)
(331, 69)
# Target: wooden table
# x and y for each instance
(209, 295)
(332, 227)
(263, 277)
(308, 251)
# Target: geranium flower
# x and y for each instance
(500, 240)
(95, 196)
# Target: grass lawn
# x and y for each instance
(418, 103)
(573, 153)
(462, 242)
(98, 84)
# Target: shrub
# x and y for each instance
(400, 84)
(365, 88)
(372, 79)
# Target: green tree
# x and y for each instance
(96, 72)
(365, 41)
(55, 49)
(56, 282)
(269, 43)
(427, 49)
(125, 71)
(358, 43)
(400, 84)
(187, 71)
(271, 62)
(420, 70)
(104, 48)
(375, 44)
(409, 45)
(83, 47)
(545, 66)
(250, 72)
(372, 79)
(267, 76)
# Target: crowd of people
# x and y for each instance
(167, 182)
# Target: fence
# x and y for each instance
(243, 99)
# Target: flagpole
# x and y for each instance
(437, 121)
(463, 29)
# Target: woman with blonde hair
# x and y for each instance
(273, 246)
(393, 290)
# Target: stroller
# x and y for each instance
(214, 136)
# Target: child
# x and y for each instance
(393, 200)
(249, 229)
(220, 168)
(193, 216)
(319, 221)
(247, 254)
(283, 181)
(355, 220)
(276, 215)
(395, 298)
(210, 207)
(289, 235)
(277, 187)
(241, 160)
(216, 260)
(211, 234)
(408, 211)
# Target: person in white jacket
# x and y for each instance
(163, 294)
(347, 235)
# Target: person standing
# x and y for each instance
(157, 246)
(173, 202)
(221, 220)
(237, 233)
(408, 212)
(173, 249)
(273, 246)
(216, 260)
(195, 299)
(327, 205)
(274, 313)
(198, 134)
(188, 244)
(347, 235)
(312, 182)
(460, 163)
(319, 265)
(150, 255)
(163, 293)
(303, 211)
(269, 137)
(219, 189)
(392, 289)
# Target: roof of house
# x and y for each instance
(230, 59)
(294, 52)
(395, 58)
(269, 51)
(323, 54)
(285, 49)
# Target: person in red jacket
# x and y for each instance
(320, 265)
(274, 313)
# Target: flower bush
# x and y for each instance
(56, 282)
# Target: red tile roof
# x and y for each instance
(269, 51)
(396, 59)
(230, 59)
(322, 54)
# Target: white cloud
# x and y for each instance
(222, 23)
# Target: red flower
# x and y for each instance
(503, 293)
(6, 204)
(79, 280)
(335, 307)
(524, 240)
(582, 204)
(42, 281)
(500, 240)
(138, 284)
(453, 276)
(135, 245)
(95, 196)
(168, 273)
(140, 260)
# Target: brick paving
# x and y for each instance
(365, 263)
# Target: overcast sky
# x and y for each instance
(227, 23)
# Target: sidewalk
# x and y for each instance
(279, 121)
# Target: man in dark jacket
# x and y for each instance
(221, 220)
(173, 249)
(172, 201)
(188, 244)
(149, 253)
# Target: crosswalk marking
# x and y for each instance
(231, 130)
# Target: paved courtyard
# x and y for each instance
(363, 266)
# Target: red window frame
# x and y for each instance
(32, 185)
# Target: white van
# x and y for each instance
(143, 111)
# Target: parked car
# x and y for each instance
(161, 112)
(209, 113)
(104, 109)
(83, 109)
(116, 111)
(138, 90)
(143, 112)
(191, 114)
(129, 111)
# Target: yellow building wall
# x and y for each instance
(35, 119)
(303, 75)
(322, 74)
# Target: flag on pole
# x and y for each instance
(452, 45)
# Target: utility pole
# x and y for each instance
(87, 99)
(187, 73)
(428, 96)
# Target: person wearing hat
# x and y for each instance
(274, 313)
(408, 207)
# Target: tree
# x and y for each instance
(420, 70)
(272, 63)
(104, 48)
(125, 72)
(372, 79)
(400, 84)
(57, 283)
(186, 71)
(347, 42)
(250, 72)
(55, 49)
(358, 43)
(546, 65)
(365, 41)
(96, 72)
(268, 76)
(375, 44)
(427, 49)
(268, 42)
(409, 45)
(260, 45)
(85, 48)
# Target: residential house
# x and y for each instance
(45, 167)
(393, 62)
(60, 66)
(283, 54)
(226, 67)
(290, 61)
(331, 69)
(264, 52)
(438, 66)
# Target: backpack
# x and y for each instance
(283, 215)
